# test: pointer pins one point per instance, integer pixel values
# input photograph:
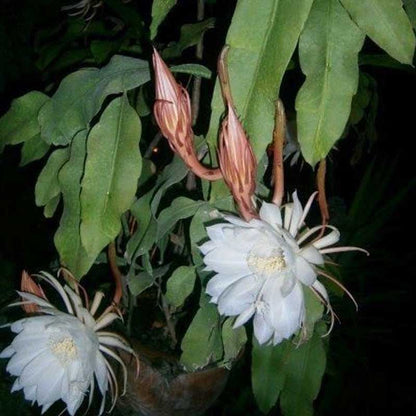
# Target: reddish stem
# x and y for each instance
(112, 260)
(278, 141)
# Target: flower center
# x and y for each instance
(266, 265)
(64, 349)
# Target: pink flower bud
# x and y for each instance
(28, 285)
(172, 111)
(238, 163)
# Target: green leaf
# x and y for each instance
(190, 35)
(51, 206)
(33, 149)
(103, 49)
(303, 371)
(328, 51)
(233, 341)
(410, 6)
(139, 282)
(387, 24)
(137, 244)
(180, 208)
(67, 238)
(20, 123)
(202, 341)
(180, 285)
(160, 9)
(82, 93)
(262, 40)
(267, 377)
(293, 372)
(314, 310)
(172, 173)
(112, 170)
(47, 186)
(193, 69)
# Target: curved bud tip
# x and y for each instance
(167, 89)
(238, 163)
(28, 285)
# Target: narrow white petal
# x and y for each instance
(304, 271)
(297, 214)
(19, 361)
(227, 260)
(30, 393)
(35, 299)
(262, 330)
(16, 386)
(292, 312)
(220, 282)
(329, 239)
(320, 288)
(45, 407)
(271, 214)
(307, 208)
(288, 208)
(105, 320)
(239, 296)
(244, 316)
(311, 254)
(101, 373)
(50, 384)
(208, 246)
(7, 352)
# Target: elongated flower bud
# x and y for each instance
(237, 163)
(172, 111)
(28, 285)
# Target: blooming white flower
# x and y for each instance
(261, 266)
(59, 355)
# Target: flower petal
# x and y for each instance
(271, 214)
(244, 316)
(296, 217)
(239, 296)
(227, 260)
(311, 254)
(329, 239)
(304, 271)
(221, 282)
(262, 330)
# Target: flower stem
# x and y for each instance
(112, 260)
(278, 141)
(320, 183)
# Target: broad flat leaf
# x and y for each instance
(202, 341)
(387, 24)
(180, 285)
(172, 173)
(67, 238)
(262, 39)
(33, 149)
(112, 170)
(410, 6)
(190, 35)
(267, 377)
(20, 123)
(180, 208)
(160, 9)
(141, 211)
(139, 282)
(233, 341)
(303, 371)
(81, 95)
(291, 372)
(314, 310)
(47, 186)
(328, 51)
(51, 206)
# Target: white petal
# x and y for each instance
(215, 232)
(207, 247)
(16, 386)
(227, 260)
(288, 208)
(7, 352)
(239, 296)
(271, 214)
(30, 393)
(320, 288)
(297, 214)
(101, 373)
(304, 271)
(328, 240)
(262, 330)
(50, 384)
(244, 316)
(288, 282)
(20, 360)
(33, 371)
(312, 255)
(219, 283)
(45, 407)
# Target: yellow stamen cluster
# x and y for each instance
(266, 265)
(65, 349)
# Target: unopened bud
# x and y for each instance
(172, 111)
(238, 163)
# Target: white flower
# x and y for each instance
(59, 355)
(262, 265)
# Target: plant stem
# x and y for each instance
(320, 183)
(112, 260)
(278, 141)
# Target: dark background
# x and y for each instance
(370, 359)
